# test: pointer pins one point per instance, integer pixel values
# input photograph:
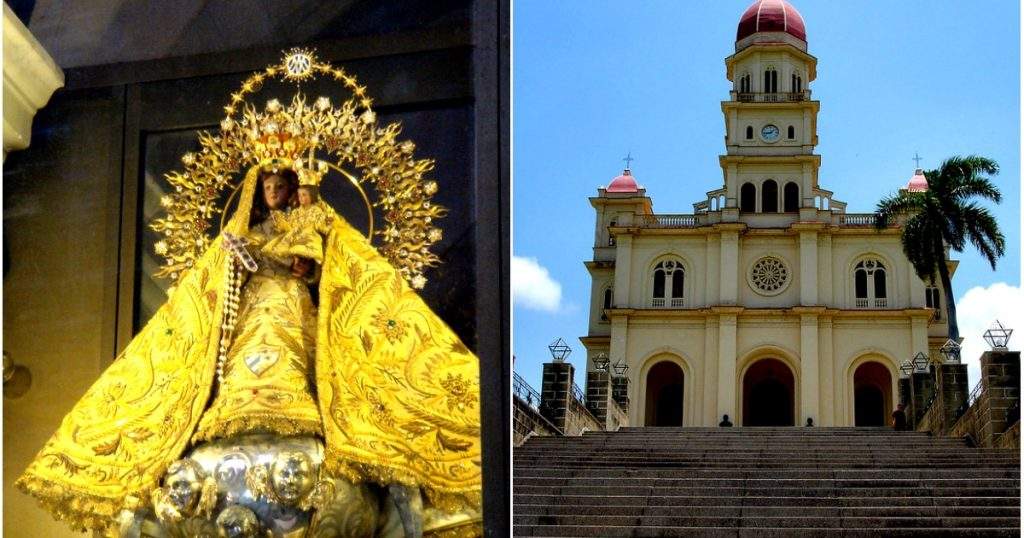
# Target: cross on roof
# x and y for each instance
(917, 160)
(629, 158)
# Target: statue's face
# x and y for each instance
(276, 191)
(305, 197)
(183, 486)
(238, 522)
(292, 476)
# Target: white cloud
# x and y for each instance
(977, 310)
(533, 287)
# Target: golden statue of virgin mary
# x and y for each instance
(242, 398)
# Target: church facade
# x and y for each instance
(769, 303)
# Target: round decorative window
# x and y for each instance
(769, 276)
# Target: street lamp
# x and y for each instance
(920, 362)
(621, 368)
(906, 368)
(951, 350)
(559, 350)
(998, 336)
(601, 362)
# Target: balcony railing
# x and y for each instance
(867, 303)
(858, 219)
(668, 221)
(780, 97)
(661, 302)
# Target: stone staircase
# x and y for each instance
(763, 482)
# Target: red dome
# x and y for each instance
(624, 183)
(771, 16)
(917, 183)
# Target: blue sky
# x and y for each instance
(593, 80)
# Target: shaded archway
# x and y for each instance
(664, 405)
(872, 394)
(768, 394)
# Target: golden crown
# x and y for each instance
(305, 138)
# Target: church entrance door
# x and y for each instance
(872, 395)
(768, 390)
(664, 405)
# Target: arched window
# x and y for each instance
(796, 83)
(869, 284)
(750, 133)
(770, 197)
(791, 197)
(668, 285)
(611, 238)
(745, 83)
(748, 198)
(791, 133)
(771, 80)
(931, 297)
(608, 294)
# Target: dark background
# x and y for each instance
(143, 77)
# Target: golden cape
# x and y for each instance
(398, 392)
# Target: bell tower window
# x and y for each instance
(748, 198)
(750, 133)
(771, 80)
(796, 83)
(790, 133)
(770, 197)
(791, 197)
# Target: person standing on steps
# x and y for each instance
(899, 419)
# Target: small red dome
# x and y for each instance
(771, 16)
(917, 183)
(624, 183)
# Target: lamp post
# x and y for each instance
(906, 368)
(951, 351)
(920, 362)
(621, 368)
(998, 336)
(601, 362)
(559, 350)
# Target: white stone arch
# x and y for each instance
(891, 277)
(688, 276)
(855, 360)
(785, 355)
(653, 357)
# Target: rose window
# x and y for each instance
(769, 275)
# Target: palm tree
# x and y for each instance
(946, 214)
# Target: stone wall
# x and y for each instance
(579, 419)
(993, 419)
(527, 421)
(616, 417)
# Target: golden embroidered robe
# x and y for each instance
(397, 392)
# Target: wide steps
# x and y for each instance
(763, 482)
(605, 531)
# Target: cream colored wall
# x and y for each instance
(843, 344)
(691, 337)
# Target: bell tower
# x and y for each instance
(770, 119)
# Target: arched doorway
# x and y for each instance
(768, 394)
(664, 405)
(872, 394)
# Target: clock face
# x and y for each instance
(770, 133)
